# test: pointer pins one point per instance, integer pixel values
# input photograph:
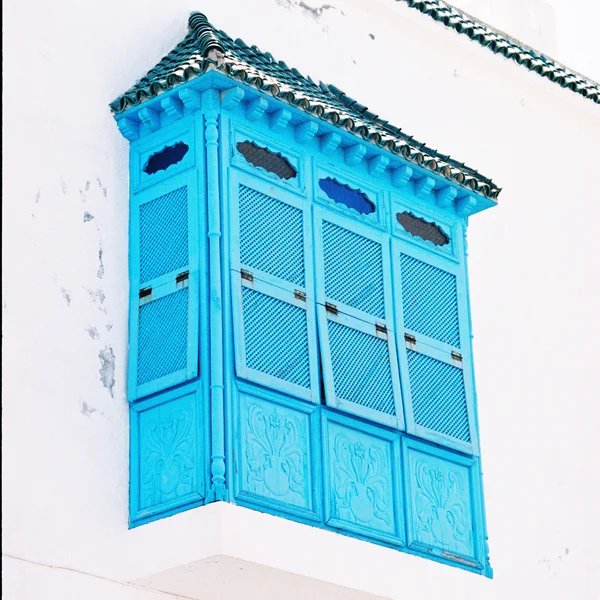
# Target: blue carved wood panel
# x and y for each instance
(361, 466)
(434, 347)
(272, 287)
(443, 503)
(356, 328)
(277, 454)
(167, 453)
(164, 286)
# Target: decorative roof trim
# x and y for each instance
(524, 55)
(206, 49)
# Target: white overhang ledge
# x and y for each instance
(227, 552)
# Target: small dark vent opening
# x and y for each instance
(267, 160)
(347, 196)
(162, 160)
(422, 229)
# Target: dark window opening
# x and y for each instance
(267, 160)
(347, 196)
(422, 229)
(162, 160)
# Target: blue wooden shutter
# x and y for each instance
(273, 309)
(434, 354)
(164, 319)
(356, 329)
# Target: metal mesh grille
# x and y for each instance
(361, 368)
(353, 269)
(269, 161)
(276, 337)
(164, 234)
(438, 396)
(430, 300)
(271, 236)
(163, 336)
(422, 229)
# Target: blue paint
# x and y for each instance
(307, 355)
(211, 101)
(167, 454)
(347, 196)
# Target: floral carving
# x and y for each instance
(275, 455)
(168, 458)
(362, 482)
(443, 516)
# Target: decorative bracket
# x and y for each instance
(465, 206)
(378, 164)
(150, 118)
(256, 108)
(445, 196)
(354, 154)
(172, 106)
(280, 119)
(330, 142)
(306, 132)
(401, 176)
(191, 98)
(129, 128)
(424, 187)
(232, 97)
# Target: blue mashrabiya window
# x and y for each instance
(322, 296)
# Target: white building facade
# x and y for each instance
(533, 284)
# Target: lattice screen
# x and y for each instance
(353, 266)
(163, 332)
(430, 301)
(271, 236)
(438, 396)
(276, 337)
(164, 235)
(361, 368)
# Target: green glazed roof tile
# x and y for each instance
(206, 48)
(497, 43)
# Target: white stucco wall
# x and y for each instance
(535, 290)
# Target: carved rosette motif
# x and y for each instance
(362, 481)
(442, 507)
(275, 457)
(168, 457)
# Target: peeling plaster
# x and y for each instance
(102, 187)
(38, 196)
(87, 410)
(100, 273)
(98, 297)
(66, 296)
(107, 369)
(87, 186)
(93, 333)
(315, 12)
(87, 216)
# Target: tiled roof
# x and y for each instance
(499, 44)
(205, 48)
